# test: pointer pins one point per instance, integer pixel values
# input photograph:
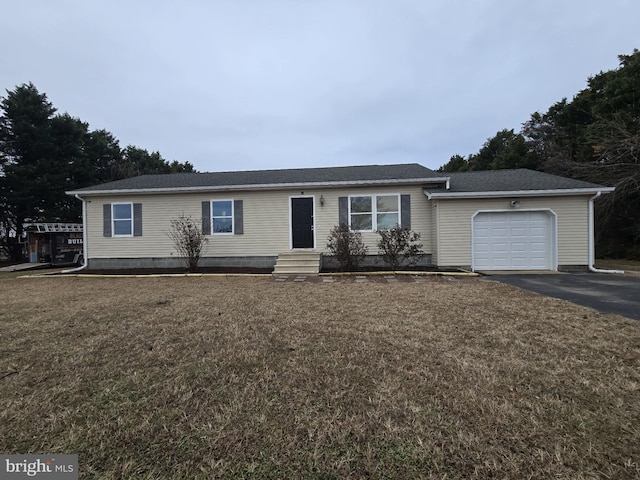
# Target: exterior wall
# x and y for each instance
(454, 217)
(174, 262)
(266, 222)
(330, 262)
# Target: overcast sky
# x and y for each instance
(254, 84)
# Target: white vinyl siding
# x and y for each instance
(454, 224)
(266, 222)
(327, 216)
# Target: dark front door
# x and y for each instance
(302, 223)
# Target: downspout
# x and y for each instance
(592, 268)
(84, 238)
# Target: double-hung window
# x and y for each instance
(122, 218)
(222, 217)
(368, 213)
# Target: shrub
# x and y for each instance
(189, 240)
(347, 247)
(399, 245)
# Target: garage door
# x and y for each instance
(512, 241)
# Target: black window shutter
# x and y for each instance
(137, 219)
(106, 220)
(206, 218)
(238, 227)
(343, 210)
(405, 211)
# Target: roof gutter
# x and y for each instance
(84, 238)
(264, 186)
(592, 267)
(517, 193)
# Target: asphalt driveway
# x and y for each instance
(603, 292)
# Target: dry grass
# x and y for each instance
(630, 267)
(250, 378)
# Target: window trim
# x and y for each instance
(231, 216)
(374, 208)
(114, 220)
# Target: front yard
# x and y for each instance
(213, 377)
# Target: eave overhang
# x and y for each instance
(266, 186)
(517, 193)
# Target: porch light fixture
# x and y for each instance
(321, 200)
(515, 203)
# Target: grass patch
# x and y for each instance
(207, 377)
(630, 267)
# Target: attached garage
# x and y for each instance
(514, 240)
(513, 220)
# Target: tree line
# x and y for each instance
(593, 137)
(44, 153)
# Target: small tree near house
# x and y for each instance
(399, 246)
(189, 240)
(347, 247)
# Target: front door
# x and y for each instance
(302, 223)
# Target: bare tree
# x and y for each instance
(189, 240)
(616, 162)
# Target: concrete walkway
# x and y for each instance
(20, 267)
(386, 278)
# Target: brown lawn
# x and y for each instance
(630, 267)
(210, 377)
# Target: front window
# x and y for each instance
(374, 212)
(122, 215)
(222, 217)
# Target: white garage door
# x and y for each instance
(512, 241)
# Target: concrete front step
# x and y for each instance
(290, 262)
(303, 262)
(300, 254)
(296, 271)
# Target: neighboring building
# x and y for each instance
(54, 243)
(490, 220)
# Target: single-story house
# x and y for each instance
(490, 220)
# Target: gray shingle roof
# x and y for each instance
(512, 180)
(299, 176)
(460, 182)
